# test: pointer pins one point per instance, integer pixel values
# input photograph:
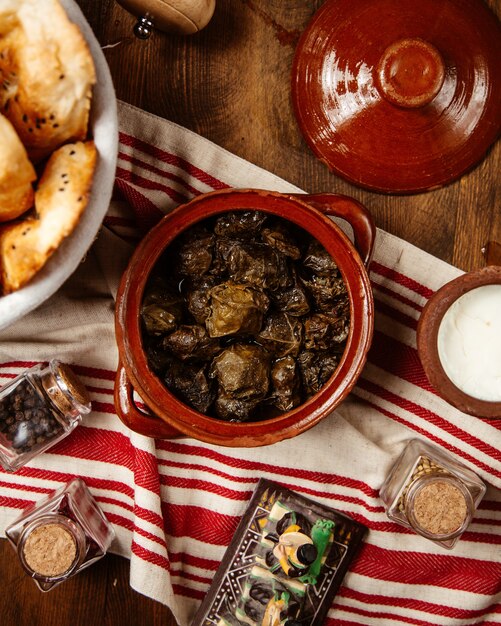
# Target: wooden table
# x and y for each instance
(230, 84)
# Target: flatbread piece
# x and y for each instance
(62, 195)
(46, 75)
(16, 174)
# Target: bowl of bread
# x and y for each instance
(58, 148)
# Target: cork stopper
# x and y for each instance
(66, 390)
(50, 550)
(438, 506)
(51, 547)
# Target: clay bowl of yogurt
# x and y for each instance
(459, 342)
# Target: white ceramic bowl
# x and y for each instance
(103, 129)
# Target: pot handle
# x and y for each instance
(359, 218)
(132, 416)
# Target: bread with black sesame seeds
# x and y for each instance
(62, 195)
(46, 75)
(16, 174)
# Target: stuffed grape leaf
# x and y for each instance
(236, 308)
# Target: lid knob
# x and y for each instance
(410, 73)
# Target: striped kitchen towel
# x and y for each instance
(176, 504)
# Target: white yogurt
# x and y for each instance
(469, 343)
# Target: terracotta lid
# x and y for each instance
(399, 96)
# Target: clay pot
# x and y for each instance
(399, 96)
(173, 417)
(427, 341)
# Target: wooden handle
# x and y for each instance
(133, 417)
(177, 16)
(359, 218)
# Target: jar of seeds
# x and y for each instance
(37, 409)
(60, 535)
(433, 494)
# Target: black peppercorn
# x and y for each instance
(17, 402)
(29, 402)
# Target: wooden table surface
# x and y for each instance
(230, 83)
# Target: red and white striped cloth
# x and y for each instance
(176, 504)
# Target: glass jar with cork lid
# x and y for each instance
(38, 408)
(61, 535)
(431, 493)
